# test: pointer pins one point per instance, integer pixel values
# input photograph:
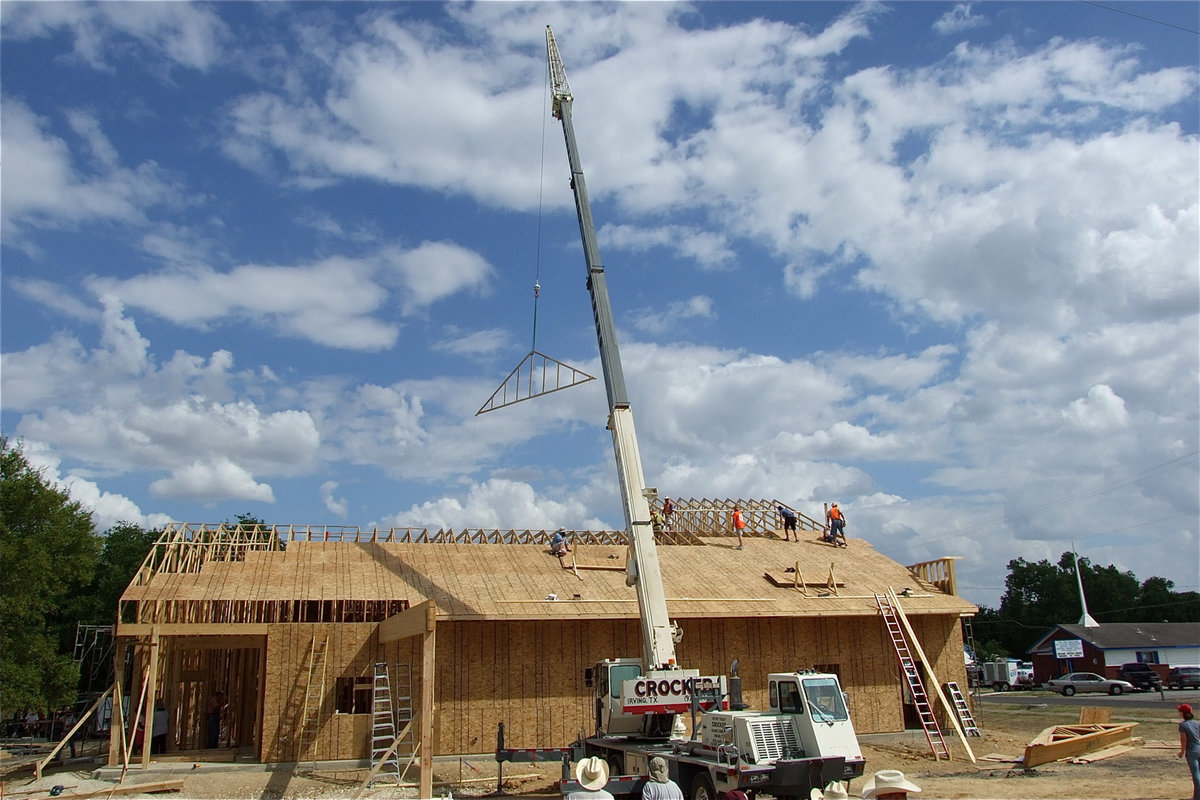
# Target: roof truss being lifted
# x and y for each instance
(537, 374)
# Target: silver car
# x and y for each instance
(1068, 685)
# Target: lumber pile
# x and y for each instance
(1069, 741)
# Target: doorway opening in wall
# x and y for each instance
(912, 717)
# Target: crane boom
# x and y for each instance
(658, 632)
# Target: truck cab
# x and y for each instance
(816, 701)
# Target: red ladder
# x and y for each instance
(915, 685)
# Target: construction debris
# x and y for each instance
(1067, 741)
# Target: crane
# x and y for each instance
(659, 633)
(784, 752)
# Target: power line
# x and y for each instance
(1139, 16)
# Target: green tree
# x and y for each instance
(48, 554)
(125, 547)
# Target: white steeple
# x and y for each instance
(1086, 620)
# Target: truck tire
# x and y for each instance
(1004, 687)
(702, 788)
(616, 764)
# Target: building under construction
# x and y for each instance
(273, 643)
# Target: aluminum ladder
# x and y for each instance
(916, 687)
(314, 699)
(961, 708)
(383, 727)
(402, 692)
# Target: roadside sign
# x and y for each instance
(1068, 648)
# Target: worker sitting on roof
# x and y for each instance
(558, 543)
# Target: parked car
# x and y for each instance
(1183, 677)
(1142, 676)
(1068, 685)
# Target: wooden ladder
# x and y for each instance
(314, 699)
(937, 743)
(961, 708)
(383, 728)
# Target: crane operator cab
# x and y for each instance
(629, 701)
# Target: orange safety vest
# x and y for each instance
(835, 513)
(738, 521)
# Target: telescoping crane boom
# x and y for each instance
(803, 741)
(659, 634)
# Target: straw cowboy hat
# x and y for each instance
(592, 773)
(658, 770)
(834, 791)
(885, 781)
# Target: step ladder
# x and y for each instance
(916, 687)
(383, 728)
(314, 700)
(961, 708)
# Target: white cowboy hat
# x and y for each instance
(887, 780)
(592, 773)
(658, 770)
(834, 791)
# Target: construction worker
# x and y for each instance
(660, 786)
(837, 524)
(592, 775)
(667, 510)
(888, 784)
(789, 522)
(558, 543)
(739, 525)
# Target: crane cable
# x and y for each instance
(537, 284)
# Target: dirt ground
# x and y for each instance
(1149, 772)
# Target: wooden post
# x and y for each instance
(116, 744)
(151, 689)
(428, 647)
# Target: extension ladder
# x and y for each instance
(402, 691)
(383, 727)
(961, 708)
(916, 687)
(314, 699)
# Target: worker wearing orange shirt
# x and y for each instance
(739, 525)
(837, 524)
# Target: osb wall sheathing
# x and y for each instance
(529, 674)
(352, 651)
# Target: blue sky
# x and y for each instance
(936, 262)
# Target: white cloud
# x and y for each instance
(1101, 409)
(477, 343)
(44, 188)
(655, 320)
(707, 249)
(219, 479)
(958, 19)
(336, 505)
(185, 34)
(501, 505)
(433, 271)
(303, 301)
(107, 508)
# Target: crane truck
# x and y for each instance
(804, 740)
